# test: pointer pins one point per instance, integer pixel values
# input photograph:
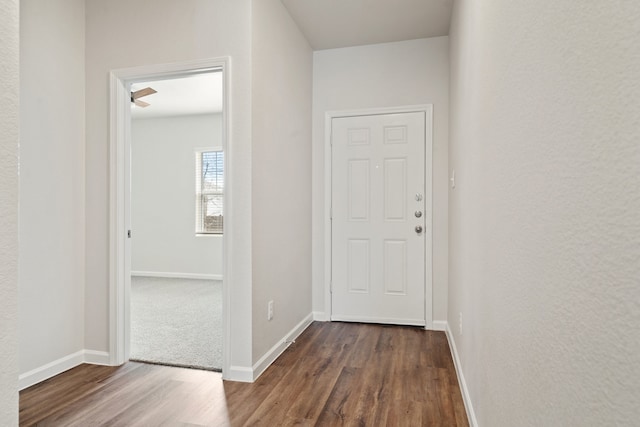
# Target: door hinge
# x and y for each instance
(129, 234)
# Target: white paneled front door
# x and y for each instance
(379, 216)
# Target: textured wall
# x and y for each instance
(544, 220)
(51, 296)
(9, 141)
(281, 173)
(384, 75)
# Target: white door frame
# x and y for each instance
(120, 195)
(428, 173)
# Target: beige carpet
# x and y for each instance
(177, 322)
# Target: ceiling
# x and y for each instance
(194, 94)
(330, 24)
(327, 24)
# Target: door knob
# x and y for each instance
(418, 229)
(418, 214)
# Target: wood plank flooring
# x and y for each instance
(336, 374)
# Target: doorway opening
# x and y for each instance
(168, 294)
(177, 221)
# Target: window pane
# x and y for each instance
(212, 171)
(210, 189)
(212, 204)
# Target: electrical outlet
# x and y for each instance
(270, 310)
(460, 323)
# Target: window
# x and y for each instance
(209, 191)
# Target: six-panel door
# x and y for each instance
(378, 218)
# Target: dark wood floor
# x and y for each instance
(335, 374)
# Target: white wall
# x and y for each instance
(163, 196)
(281, 182)
(9, 142)
(51, 295)
(384, 75)
(170, 32)
(544, 220)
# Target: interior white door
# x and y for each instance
(378, 217)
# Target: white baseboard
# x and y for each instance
(275, 351)
(241, 374)
(61, 365)
(321, 316)
(439, 325)
(97, 357)
(250, 374)
(172, 275)
(49, 370)
(471, 415)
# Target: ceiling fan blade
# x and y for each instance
(141, 104)
(143, 92)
